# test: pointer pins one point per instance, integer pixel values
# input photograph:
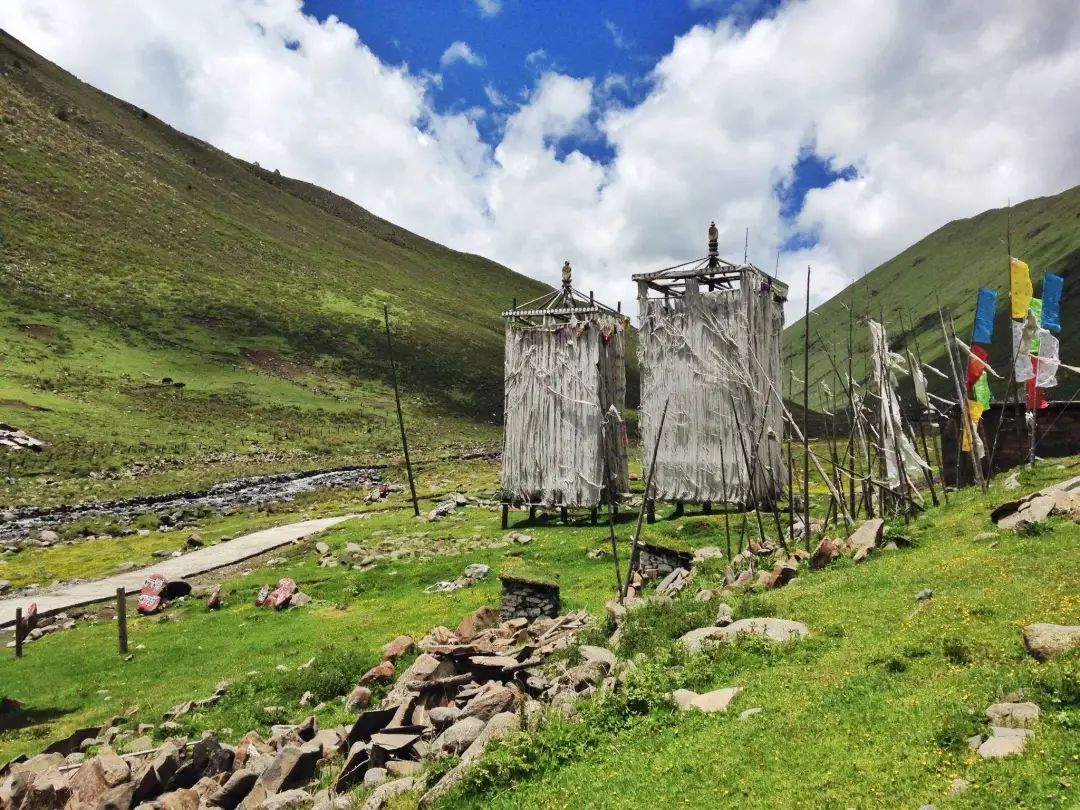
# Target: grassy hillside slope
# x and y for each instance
(131, 253)
(948, 267)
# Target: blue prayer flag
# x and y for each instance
(1051, 313)
(985, 307)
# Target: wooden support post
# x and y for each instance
(563, 515)
(18, 632)
(650, 508)
(706, 508)
(592, 516)
(614, 543)
(400, 416)
(678, 513)
(532, 513)
(727, 519)
(806, 413)
(121, 619)
(645, 500)
(506, 516)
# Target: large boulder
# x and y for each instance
(826, 552)
(98, 776)
(292, 766)
(1013, 715)
(776, 630)
(490, 701)
(500, 726)
(715, 701)
(483, 618)
(868, 534)
(393, 650)
(383, 793)
(1046, 640)
(459, 736)
(49, 789)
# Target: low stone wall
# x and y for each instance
(528, 598)
(656, 562)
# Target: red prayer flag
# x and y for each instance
(975, 369)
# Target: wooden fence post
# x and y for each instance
(18, 632)
(121, 619)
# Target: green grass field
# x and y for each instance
(872, 711)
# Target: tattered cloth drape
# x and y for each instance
(562, 442)
(702, 351)
(894, 445)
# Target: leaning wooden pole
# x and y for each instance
(965, 417)
(400, 416)
(644, 500)
(723, 483)
(806, 415)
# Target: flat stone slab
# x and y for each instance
(187, 565)
(999, 746)
(716, 701)
(775, 630)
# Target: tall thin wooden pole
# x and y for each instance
(18, 632)
(121, 619)
(965, 417)
(723, 483)
(400, 416)
(806, 414)
(851, 402)
(644, 500)
(1010, 383)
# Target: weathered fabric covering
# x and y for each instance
(561, 441)
(892, 440)
(702, 351)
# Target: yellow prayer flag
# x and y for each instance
(975, 411)
(1019, 288)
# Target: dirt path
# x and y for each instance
(187, 565)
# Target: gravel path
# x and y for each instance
(52, 600)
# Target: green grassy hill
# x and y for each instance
(131, 253)
(946, 268)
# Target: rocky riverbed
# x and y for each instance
(221, 498)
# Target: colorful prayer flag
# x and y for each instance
(1036, 311)
(1051, 312)
(1019, 288)
(976, 368)
(982, 391)
(985, 307)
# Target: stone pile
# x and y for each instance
(472, 574)
(11, 438)
(1060, 499)
(1011, 724)
(464, 690)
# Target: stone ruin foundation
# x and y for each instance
(528, 598)
(656, 562)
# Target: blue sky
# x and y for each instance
(516, 41)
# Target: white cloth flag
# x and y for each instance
(1049, 359)
(1021, 344)
(919, 379)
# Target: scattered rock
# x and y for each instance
(868, 534)
(400, 646)
(483, 618)
(925, 595)
(1004, 742)
(492, 699)
(1013, 715)
(383, 671)
(958, 785)
(459, 736)
(683, 698)
(778, 630)
(600, 655)
(715, 701)
(359, 698)
(826, 552)
(374, 777)
(724, 615)
(1046, 640)
(382, 794)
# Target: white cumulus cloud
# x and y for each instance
(460, 52)
(489, 8)
(942, 110)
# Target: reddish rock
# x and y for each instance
(483, 618)
(398, 647)
(183, 799)
(49, 789)
(383, 671)
(359, 698)
(826, 552)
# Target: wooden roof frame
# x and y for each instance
(711, 272)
